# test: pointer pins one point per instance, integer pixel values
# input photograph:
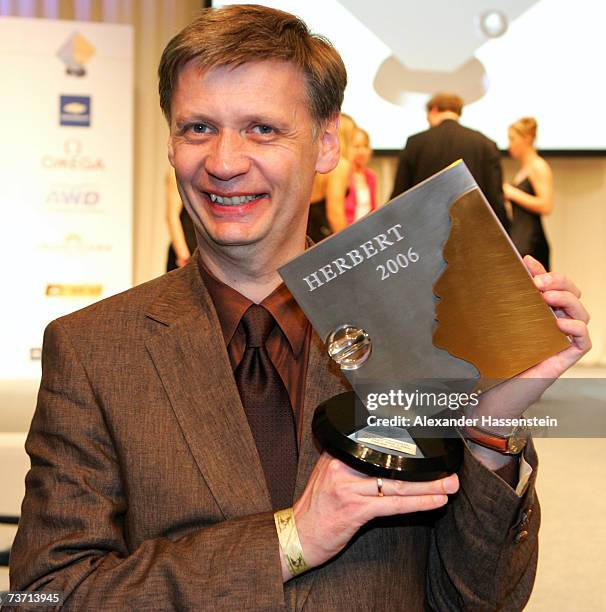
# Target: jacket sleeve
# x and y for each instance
(484, 548)
(403, 180)
(494, 184)
(71, 538)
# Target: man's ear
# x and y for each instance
(329, 151)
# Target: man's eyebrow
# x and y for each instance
(189, 117)
(244, 119)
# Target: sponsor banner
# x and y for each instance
(66, 118)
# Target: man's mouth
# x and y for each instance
(234, 200)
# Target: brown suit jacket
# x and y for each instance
(146, 491)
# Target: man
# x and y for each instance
(445, 142)
(153, 484)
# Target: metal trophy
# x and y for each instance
(424, 298)
(405, 453)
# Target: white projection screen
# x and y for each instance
(506, 58)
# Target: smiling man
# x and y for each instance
(173, 466)
(244, 145)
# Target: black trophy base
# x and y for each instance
(337, 421)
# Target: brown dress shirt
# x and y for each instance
(287, 345)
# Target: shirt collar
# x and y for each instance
(231, 305)
(288, 316)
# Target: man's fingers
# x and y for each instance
(443, 486)
(549, 281)
(568, 302)
(577, 330)
(402, 497)
(533, 266)
(556, 282)
(403, 504)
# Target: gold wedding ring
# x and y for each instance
(380, 487)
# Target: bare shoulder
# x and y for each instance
(540, 168)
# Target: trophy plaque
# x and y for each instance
(424, 297)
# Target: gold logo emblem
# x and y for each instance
(75, 52)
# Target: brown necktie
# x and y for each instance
(268, 408)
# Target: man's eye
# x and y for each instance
(263, 129)
(198, 128)
(195, 128)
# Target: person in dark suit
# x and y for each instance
(167, 474)
(445, 142)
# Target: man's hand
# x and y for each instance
(564, 297)
(338, 500)
(512, 398)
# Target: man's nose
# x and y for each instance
(228, 157)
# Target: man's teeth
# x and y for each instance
(234, 200)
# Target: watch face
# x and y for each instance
(514, 446)
(517, 441)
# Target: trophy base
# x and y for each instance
(422, 458)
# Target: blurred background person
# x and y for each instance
(445, 142)
(180, 227)
(531, 194)
(361, 196)
(327, 209)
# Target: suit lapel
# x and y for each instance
(323, 380)
(189, 355)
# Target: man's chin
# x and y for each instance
(236, 239)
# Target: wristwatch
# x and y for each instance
(512, 443)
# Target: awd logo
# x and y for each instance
(75, 53)
(64, 198)
(74, 111)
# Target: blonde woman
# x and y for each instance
(361, 196)
(531, 194)
(327, 209)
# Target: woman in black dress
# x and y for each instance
(531, 195)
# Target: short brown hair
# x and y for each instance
(238, 34)
(526, 126)
(446, 102)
